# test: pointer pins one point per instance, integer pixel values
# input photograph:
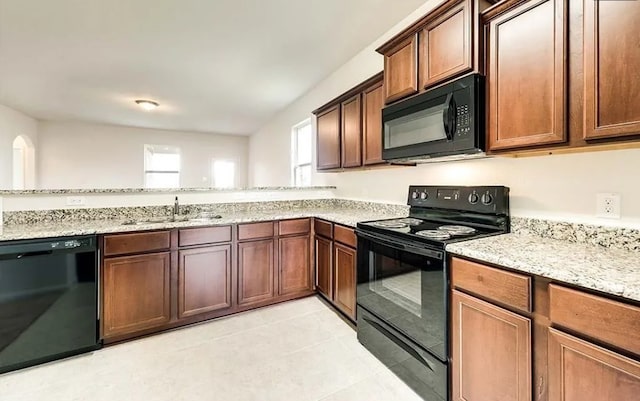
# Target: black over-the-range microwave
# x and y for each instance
(444, 121)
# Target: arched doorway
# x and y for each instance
(23, 163)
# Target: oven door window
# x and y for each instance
(416, 126)
(407, 291)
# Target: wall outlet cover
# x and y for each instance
(608, 205)
(76, 200)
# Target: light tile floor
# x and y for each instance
(295, 351)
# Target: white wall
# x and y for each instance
(558, 187)
(83, 155)
(12, 124)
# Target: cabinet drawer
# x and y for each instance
(323, 228)
(298, 226)
(121, 244)
(255, 231)
(508, 288)
(206, 235)
(345, 235)
(613, 322)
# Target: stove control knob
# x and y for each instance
(474, 198)
(414, 195)
(487, 199)
(424, 195)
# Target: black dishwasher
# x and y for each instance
(48, 300)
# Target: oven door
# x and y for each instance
(405, 285)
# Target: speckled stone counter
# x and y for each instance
(610, 270)
(341, 215)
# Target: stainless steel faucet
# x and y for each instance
(176, 207)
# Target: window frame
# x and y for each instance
(146, 172)
(294, 152)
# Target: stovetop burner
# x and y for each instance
(398, 223)
(434, 234)
(458, 230)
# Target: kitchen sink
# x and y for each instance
(176, 219)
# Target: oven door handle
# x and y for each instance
(400, 343)
(400, 246)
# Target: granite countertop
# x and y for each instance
(9, 192)
(346, 216)
(609, 270)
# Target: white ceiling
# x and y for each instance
(224, 66)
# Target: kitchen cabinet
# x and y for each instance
(516, 336)
(136, 293)
(349, 128)
(352, 132)
(295, 270)
(580, 370)
(611, 69)
(446, 45)
(526, 75)
(328, 153)
(401, 69)
(491, 351)
(344, 296)
(204, 280)
(441, 45)
(372, 103)
(592, 367)
(256, 271)
(335, 250)
(491, 346)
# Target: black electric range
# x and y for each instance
(403, 278)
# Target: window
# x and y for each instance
(161, 166)
(223, 173)
(301, 154)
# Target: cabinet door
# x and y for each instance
(491, 352)
(136, 293)
(352, 132)
(345, 280)
(527, 76)
(255, 271)
(295, 266)
(328, 145)
(401, 70)
(372, 103)
(324, 266)
(204, 280)
(445, 45)
(580, 371)
(611, 68)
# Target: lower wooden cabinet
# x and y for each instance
(136, 293)
(336, 267)
(255, 271)
(324, 266)
(204, 280)
(491, 352)
(294, 273)
(344, 295)
(579, 371)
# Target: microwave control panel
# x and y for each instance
(463, 119)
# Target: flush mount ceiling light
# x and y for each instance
(147, 104)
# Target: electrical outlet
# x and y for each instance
(76, 200)
(608, 205)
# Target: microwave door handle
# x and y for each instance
(446, 117)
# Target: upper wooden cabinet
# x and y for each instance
(611, 69)
(526, 76)
(349, 128)
(443, 44)
(372, 103)
(401, 68)
(352, 132)
(328, 139)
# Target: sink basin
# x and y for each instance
(176, 219)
